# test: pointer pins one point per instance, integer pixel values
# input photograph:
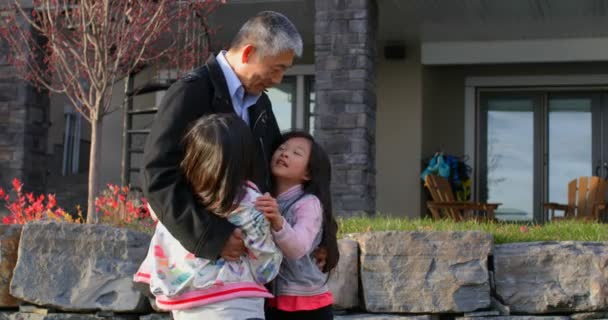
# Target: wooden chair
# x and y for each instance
(586, 200)
(444, 204)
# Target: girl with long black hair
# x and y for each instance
(302, 172)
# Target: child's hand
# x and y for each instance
(267, 204)
(320, 255)
(270, 208)
(234, 248)
(276, 220)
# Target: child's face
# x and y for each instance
(290, 161)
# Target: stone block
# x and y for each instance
(337, 27)
(76, 267)
(344, 280)
(358, 4)
(6, 154)
(425, 272)
(360, 146)
(358, 26)
(348, 120)
(156, 316)
(9, 245)
(589, 315)
(8, 92)
(61, 316)
(356, 177)
(552, 277)
(521, 317)
(337, 146)
(356, 108)
(359, 202)
(372, 316)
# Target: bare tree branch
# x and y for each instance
(81, 48)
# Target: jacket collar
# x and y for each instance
(217, 77)
(291, 193)
(223, 96)
(218, 81)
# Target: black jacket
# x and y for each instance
(201, 92)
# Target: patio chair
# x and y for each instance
(586, 200)
(444, 204)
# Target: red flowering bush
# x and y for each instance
(119, 207)
(26, 207)
(122, 207)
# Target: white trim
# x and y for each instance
(76, 150)
(66, 144)
(301, 69)
(470, 128)
(535, 81)
(163, 75)
(299, 110)
(514, 51)
(72, 132)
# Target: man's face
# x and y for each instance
(261, 73)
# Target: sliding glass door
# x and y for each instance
(573, 146)
(508, 153)
(532, 143)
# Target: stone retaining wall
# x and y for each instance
(70, 271)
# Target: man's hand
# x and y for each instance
(234, 247)
(320, 255)
(268, 205)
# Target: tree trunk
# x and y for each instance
(94, 164)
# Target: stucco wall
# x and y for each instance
(111, 132)
(399, 135)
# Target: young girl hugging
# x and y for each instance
(218, 165)
(301, 172)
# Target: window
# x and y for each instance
(283, 98)
(293, 101)
(71, 141)
(311, 103)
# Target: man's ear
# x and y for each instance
(248, 52)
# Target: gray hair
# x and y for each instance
(271, 33)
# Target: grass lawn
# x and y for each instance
(503, 232)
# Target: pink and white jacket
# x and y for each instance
(179, 280)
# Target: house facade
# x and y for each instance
(24, 114)
(517, 89)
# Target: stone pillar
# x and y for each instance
(345, 54)
(24, 122)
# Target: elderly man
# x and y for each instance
(234, 81)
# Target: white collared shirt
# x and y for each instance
(241, 101)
